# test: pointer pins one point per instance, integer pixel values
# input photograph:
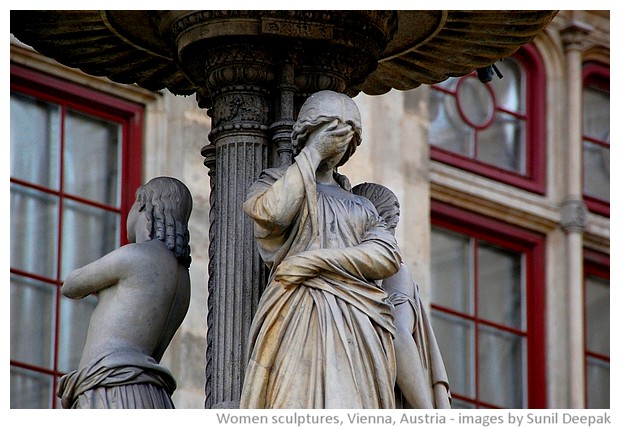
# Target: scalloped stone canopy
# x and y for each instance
(140, 47)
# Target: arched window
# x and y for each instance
(596, 124)
(495, 129)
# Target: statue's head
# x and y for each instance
(384, 200)
(167, 204)
(323, 107)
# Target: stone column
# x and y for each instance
(240, 112)
(574, 215)
(285, 112)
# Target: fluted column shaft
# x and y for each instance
(240, 112)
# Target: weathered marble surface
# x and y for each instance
(323, 333)
(421, 381)
(143, 290)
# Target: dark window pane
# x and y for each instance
(596, 113)
(455, 337)
(88, 233)
(35, 141)
(598, 383)
(596, 168)
(501, 372)
(597, 315)
(92, 158)
(457, 404)
(451, 271)
(510, 90)
(447, 129)
(32, 321)
(30, 389)
(500, 294)
(34, 231)
(503, 143)
(476, 101)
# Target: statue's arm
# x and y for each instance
(376, 257)
(100, 274)
(275, 198)
(410, 373)
(401, 282)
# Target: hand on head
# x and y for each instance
(331, 139)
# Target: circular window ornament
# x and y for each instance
(475, 101)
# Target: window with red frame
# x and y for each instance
(596, 124)
(597, 321)
(494, 129)
(75, 166)
(488, 309)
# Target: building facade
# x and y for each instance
(504, 190)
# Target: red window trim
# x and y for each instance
(89, 101)
(534, 179)
(530, 243)
(596, 75)
(96, 103)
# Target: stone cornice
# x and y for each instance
(522, 208)
(26, 56)
(390, 49)
(483, 196)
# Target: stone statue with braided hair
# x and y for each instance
(143, 291)
(421, 378)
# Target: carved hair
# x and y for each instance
(167, 204)
(384, 200)
(323, 107)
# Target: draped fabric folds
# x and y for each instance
(121, 379)
(322, 336)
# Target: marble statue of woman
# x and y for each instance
(322, 336)
(143, 291)
(421, 380)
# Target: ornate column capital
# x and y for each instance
(574, 35)
(573, 215)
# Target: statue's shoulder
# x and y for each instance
(272, 174)
(154, 250)
(266, 178)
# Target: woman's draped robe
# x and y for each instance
(322, 336)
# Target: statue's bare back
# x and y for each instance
(144, 292)
(143, 310)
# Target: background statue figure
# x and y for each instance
(421, 381)
(143, 290)
(322, 336)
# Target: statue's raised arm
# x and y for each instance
(322, 336)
